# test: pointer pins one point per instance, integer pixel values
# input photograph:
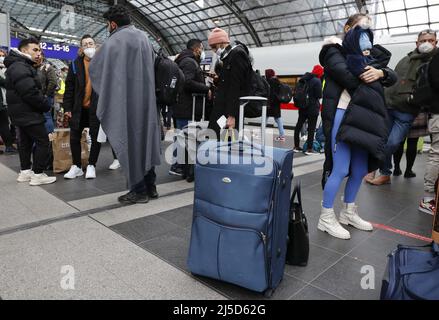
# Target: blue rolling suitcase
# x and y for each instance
(241, 207)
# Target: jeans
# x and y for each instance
(280, 126)
(148, 180)
(180, 124)
(50, 126)
(399, 125)
(27, 137)
(5, 132)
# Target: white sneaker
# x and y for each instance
(349, 215)
(42, 178)
(115, 165)
(91, 172)
(328, 223)
(25, 175)
(73, 172)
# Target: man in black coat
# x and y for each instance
(312, 109)
(234, 79)
(189, 62)
(26, 106)
(80, 104)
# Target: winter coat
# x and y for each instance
(338, 78)
(234, 82)
(74, 95)
(3, 104)
(314, 95)
(48, 79)
(397, 95)
(274, 103)
(26, 102)
(194, 83)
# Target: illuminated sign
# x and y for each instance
(62, 51)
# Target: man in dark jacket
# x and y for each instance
(80, 104)
(428, 203)
(274, 102)
(312, 109)
(401, 112)
(189, 62)
(26, 106)
(233, 82)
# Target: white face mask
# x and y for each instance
(2, 59)
(90, 52)
(425, 47)
(202, 56)
(220, 51)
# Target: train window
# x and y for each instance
(290, 80)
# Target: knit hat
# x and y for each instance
(318, 70)
(269, 73)
(217, 36)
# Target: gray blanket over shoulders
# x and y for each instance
(122, 73)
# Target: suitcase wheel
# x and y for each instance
(268, 293)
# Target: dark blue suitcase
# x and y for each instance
(412, 273)
(240, 218)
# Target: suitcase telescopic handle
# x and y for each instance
(194, 98)
(243, 101)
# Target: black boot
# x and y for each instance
(409, 174)
(152, 191)
(397, 171)
(133, 197)
(190, 173)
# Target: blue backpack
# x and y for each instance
(412, 273)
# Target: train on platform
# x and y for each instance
(290, 62)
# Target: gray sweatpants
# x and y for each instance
(432, 167)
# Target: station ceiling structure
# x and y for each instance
(170, 24)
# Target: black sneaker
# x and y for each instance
(133, 197)
(409, 174)
(176, 170)
(397, 172)
(152, 192)
(10, 150)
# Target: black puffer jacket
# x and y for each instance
(233, 83)
(26, 102)
(74, 95)
(194, 83)
(338, 78)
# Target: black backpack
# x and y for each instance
(423, 94)
(301, 94)
(169, 79)
(258, 87)
(285, 93)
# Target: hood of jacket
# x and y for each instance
(186, 53)
(16, 56)
(308, 76)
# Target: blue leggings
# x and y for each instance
(345, 157)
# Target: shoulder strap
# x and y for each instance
(297, 193)
(74, 67)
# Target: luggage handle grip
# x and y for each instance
(229, 145)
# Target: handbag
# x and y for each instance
(298, 236)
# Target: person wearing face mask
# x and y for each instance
(189, 62)
(234, 79)
(5, 132)
(354, 124)
(80, 104)
(26, 107)
(401, 111)
(122, 73)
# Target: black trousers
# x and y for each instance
(27, 136)
(412, 145)
(312, 122)
(75, 139)
(148, 180)
(5, 132)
